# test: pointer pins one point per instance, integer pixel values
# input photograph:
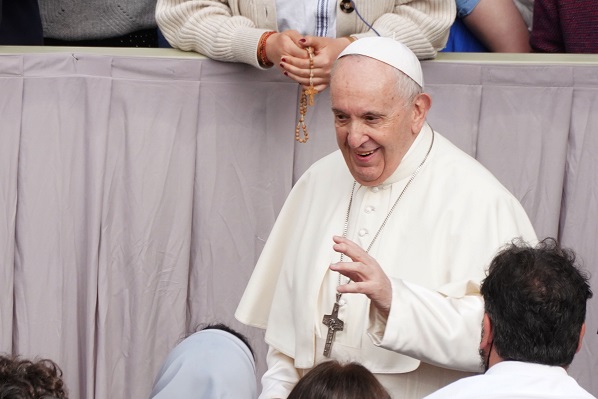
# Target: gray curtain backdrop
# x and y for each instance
(136, 193)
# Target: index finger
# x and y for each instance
(299, 63)
(350, 249)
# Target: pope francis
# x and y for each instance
(378, 252)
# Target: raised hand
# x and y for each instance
(367, 277)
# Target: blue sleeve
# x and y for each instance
(465, 7)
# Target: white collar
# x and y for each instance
(412, 158)
(524, 368)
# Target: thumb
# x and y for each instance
(307, 41)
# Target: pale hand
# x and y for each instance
(326, 50)
(367, 277)
(285, 45)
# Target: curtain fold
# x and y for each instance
(11, 100)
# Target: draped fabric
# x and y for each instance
(209, 364)
(136, 193)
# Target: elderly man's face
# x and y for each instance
(374, 127)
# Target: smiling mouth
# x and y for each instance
(365, 154)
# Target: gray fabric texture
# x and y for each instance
(95, 19)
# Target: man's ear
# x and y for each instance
(487, 336)
(421, 106)
(581, 334)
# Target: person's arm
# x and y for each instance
(546, 36)
(280, 378)
(211, 29)
(437, 327)
(422, 25)
(498, 24)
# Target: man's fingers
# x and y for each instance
(350, 249)
(352, 288)
(351, 270)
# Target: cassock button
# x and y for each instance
(375, 189)
(362, 232)
(347, 6)
(369, 209)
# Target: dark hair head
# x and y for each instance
(536, 299)
(26, 379)
(332, 380)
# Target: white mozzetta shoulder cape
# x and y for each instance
(435, 247)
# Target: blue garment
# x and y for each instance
(461, 40)
(465, 7)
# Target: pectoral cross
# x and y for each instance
(334, 324)
(311, 92)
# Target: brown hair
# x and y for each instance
(332, 380)
(26, 379)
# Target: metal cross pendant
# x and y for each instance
(334, 324)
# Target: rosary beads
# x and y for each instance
(303, 103)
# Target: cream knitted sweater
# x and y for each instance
(230, 30)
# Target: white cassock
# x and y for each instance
(436, 246)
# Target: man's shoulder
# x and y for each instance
(507, 380)
(462, 171)
(454, 157)
(327, 166)
(334, 159)
(327, 174)
(465, 388)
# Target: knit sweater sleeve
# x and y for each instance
(209, 28)
(422, 25)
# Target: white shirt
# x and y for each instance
(308, 17)
(516, 380)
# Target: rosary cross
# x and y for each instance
(310, 92)
(334, 324)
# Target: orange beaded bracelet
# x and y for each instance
(261, 50)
